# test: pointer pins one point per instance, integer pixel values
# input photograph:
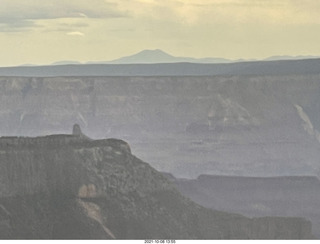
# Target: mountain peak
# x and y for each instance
(147, 56)
(151, 56)
(153, 51)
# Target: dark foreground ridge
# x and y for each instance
(72, 187)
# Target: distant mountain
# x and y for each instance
(28, 65)
(159, 56)
(285, 57)
(281, 67)
(65, 62)
(147, 56)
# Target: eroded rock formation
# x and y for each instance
(66, 186)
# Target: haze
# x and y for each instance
(42, 32)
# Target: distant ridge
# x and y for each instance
(146, 56)
(285, 57)
(282, 67)
(64, 62)
(159, 56)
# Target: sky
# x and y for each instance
(46, 31)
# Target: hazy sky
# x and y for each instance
(44, 31)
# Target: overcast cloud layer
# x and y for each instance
(20, 15)
(44, 31)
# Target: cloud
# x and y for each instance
(17, 26)
(277, 12)
(192, 12)
(75, 33)
(66, 26)
(17, 14)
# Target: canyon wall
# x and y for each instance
(71, 187)
(263, 125)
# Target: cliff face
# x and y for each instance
(257, 196)
(67, 186)
(231, 125)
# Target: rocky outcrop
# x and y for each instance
(66, 186)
